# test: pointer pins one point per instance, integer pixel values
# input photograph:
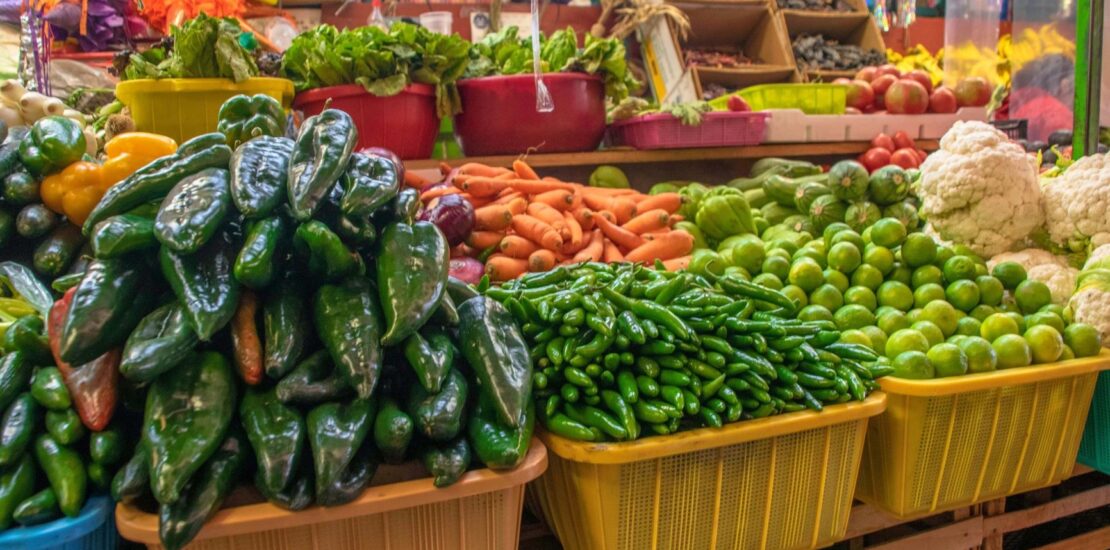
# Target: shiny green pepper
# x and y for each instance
(724, 213)
(242, 118)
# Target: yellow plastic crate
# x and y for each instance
(953, 442)
(781, 482)
(812, 99)
(402, 511)
(183, 108)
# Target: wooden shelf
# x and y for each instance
(635, 156)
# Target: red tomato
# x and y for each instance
(883, 141)
(874, 159)
(902, 140)
(906, 158)
(921, 154)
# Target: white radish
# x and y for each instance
(31, 104)
(76, 116)
(11, 116)
(53, 106)
(11, 91)
(91, 144)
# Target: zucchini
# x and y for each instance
(757, 198)
(860, 215)
(888, 185)
(775, 213)
(825, 210)
(788, 168)
(807, 193)
(782, 189)
(848, 180)
(57, 251)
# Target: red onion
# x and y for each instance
(466, 269)
(452, 214)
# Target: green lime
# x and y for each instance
(1012, 351)
(747, 253)
(981, 312)
(867, 276)
(1018, 318)
(930, 331)
(947, 360)
(893, 321)
(777, 252)
(997, 325)
(896, 295)
(878, 339)
(963, 294)
(814, 312)
(811, 254)
(927, 274)
(919, 249)
(958, 268)
(768, 280)
(913, 315)
(861, 295)
(785, 245)
(837, 279)
(806, 274)
(815, 245)
(906, 340)
(1068, 354)
(1045, 318)
(1032, 295)
(955, 338)
(855, 336)
(968, 326)
(981, 270)
(866, 235)
(1010, 273)
(833, 229)
(980, 354)
(1052, 308)
(1045, 343)
(926, 293)
(853, 316)
(828, 296)
(913, 365)
(880, 258)
(879, 311)
(848, 236)
(844, 257)
(901, 273)
(944, 253)
(888, 232)
(1009, 305)
(1083, 339)
(990, 290)
(776, 265)
(796, 294)
(737, 271)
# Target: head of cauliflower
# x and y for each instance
(980, 189)
(1076, 203)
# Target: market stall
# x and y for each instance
(682, 275)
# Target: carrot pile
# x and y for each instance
(534, 224)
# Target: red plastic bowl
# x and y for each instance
(499, 115)
(405, 123)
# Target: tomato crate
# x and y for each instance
(946, 443)
(780, 482)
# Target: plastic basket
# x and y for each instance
(481, 510)
(812, 99)
(780, 482)
(405, 123)
(664, 131)
(1094, 449)
(1013, 128)
(92, 529)
(953, 442)
(182, 108)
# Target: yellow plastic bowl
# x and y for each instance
(183, 108)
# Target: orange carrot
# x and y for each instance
(479, 169)
(518, 206)
(494, 217)
(533, 187)
(593, 251)
(503, 268)
(575, 230)
(611, 254)
(665, 247)
(541, 260)
(622, 208)
(438, 192)
(482, 186)
(670, 202)
(559, 199)
(506, 198)
(523, 171)
(585, 218)
(506, 175)
(444, 168)
(650, 220)
(414, 180)
(622, 237)
(481, 240)
(545, 213)
(515, 246)
(537, 231)
(607, 192)
(675, 264)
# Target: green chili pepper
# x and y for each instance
(323, 147)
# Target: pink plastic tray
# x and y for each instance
(663, 131)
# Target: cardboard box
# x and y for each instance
(858, 29)
(667, 76)
(858, 6)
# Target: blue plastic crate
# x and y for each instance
(93, 529)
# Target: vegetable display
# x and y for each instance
(202, 47)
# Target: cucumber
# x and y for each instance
(757, 198)
(848, 180)
(21, 189)
(888, 185)
(860, 215)
(57, 251)
(34, 221)
(788, 168)
(775, 213)
(9, 159)
(807, 193)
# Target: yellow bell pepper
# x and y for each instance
(76, 190)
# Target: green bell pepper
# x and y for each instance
(40, 507)
(447, 462)
(193, 211)
(323, 147)
(180, 521)
(349, 324)
(53, 143)
(496, 445)
(336, 432)
(495, 349)
(122, 234)
(412, 277)
(724, 213)
(186, 418)
(66, 472)
(17, 483)
(325, 254)
(286, 326)
(15, 375)
(262, 254)
(430, 357)
(393, 431)
(259, 171)
(313, 381)
(204, 284)
(17, 428)
(243, 118)
(439, 416)
(64, 426)
(160, 342)
(277, 435)
(106, 306)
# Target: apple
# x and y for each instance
(883, 141)
(942, 100)
(880, 85)
(922, 78)
(842, 80)
(889, 69)
(906, 158)
(867, 74)
(860, 94)
(902, 140)
(906, 97)
(738, 105)
(973, 91)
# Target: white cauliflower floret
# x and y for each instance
(1060, 280)
(980, 189)
(1091, 302)
(1028, 258)
(1076, 203)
